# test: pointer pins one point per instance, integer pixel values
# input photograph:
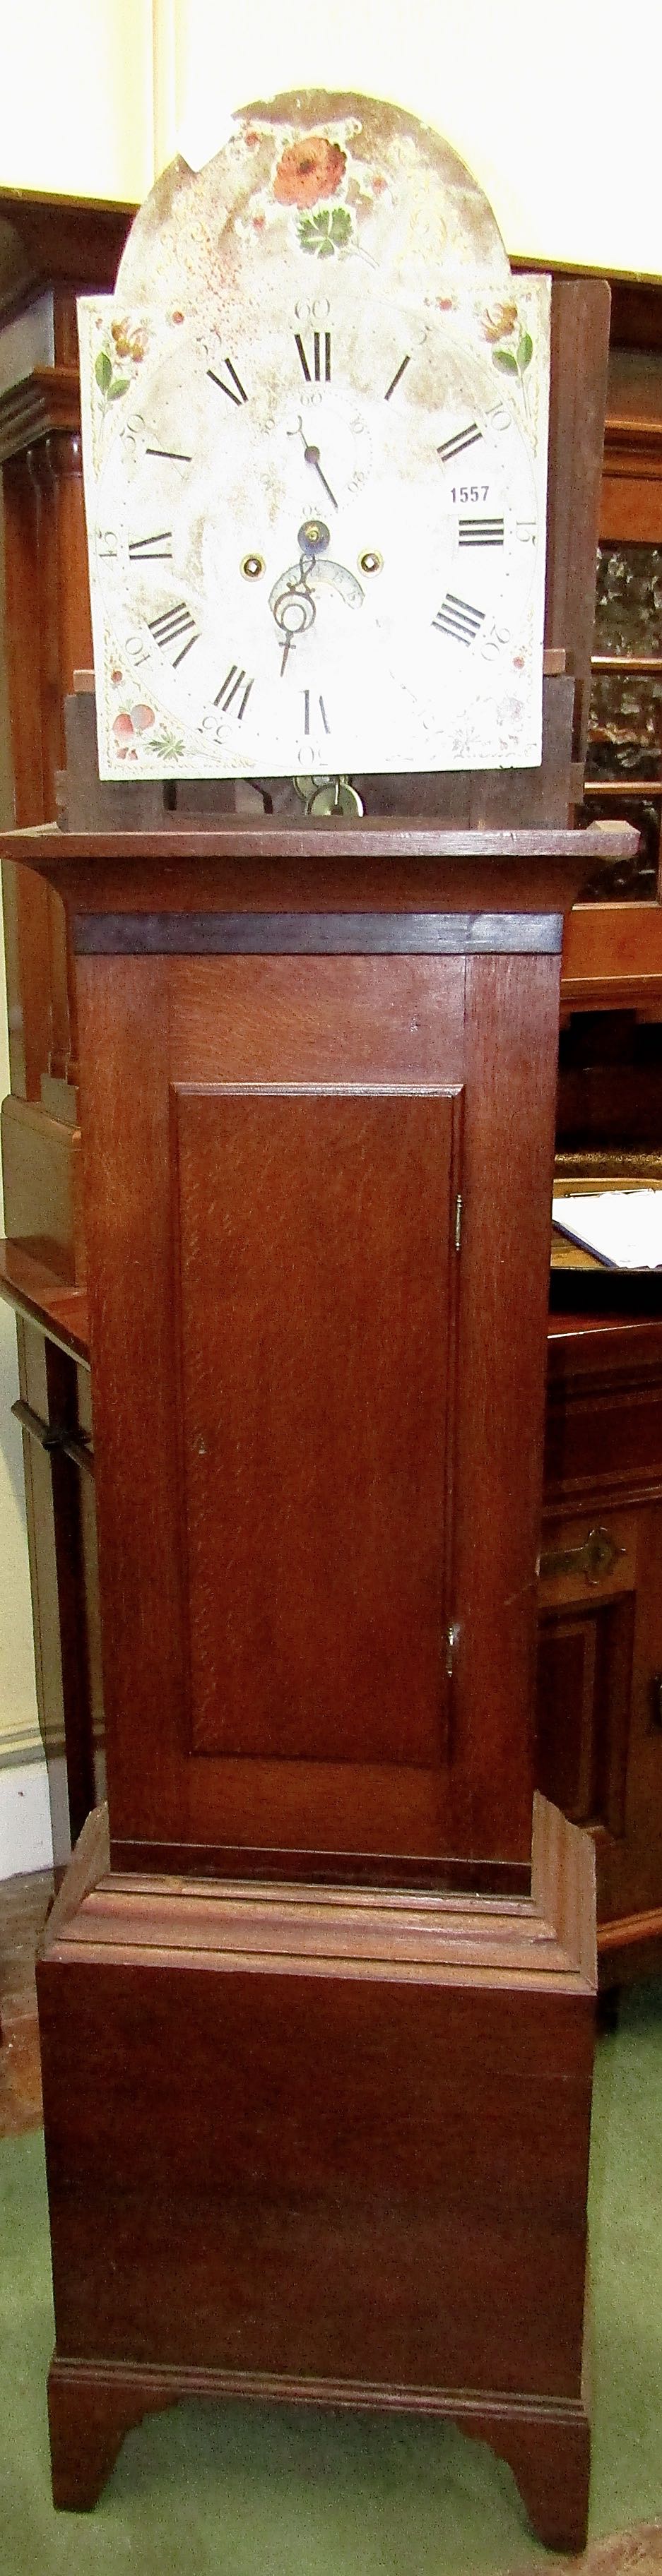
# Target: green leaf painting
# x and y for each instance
(327, 231)
(513, 362)
(110, 386)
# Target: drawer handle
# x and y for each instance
(595, 1558)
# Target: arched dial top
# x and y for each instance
(316, 493)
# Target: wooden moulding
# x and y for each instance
(633, 447)
(92, 2406)
(273, 2085)
(44, 404)
(543, 1942)
(319, 869)
(40, 1297)
(612, 958)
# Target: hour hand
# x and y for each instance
(312, 457)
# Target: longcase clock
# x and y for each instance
(318, 1059)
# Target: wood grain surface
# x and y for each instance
(278, 2093)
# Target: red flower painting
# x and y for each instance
(309, 169)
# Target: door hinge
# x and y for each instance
(458, 1220)
(452, 1641)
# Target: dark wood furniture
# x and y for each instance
(600, 1651)
(50, 250)
(601, 1645)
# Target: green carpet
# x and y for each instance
(245, 2491)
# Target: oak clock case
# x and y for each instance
(316, 484)
(318, 1073)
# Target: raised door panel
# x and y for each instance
(276, 1170)
(317, 1272)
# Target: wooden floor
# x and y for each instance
(24, 1904)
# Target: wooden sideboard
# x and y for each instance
(50, 251)
(599, 1712)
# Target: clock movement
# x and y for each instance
(316, 1999)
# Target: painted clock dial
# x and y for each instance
(315, 463)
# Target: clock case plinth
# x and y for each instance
(356, 1944)
(322, 2149)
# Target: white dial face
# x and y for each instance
(317, 545)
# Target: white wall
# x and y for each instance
(26, 1841)
(76, 97)
(558, 111)
(24, 1819)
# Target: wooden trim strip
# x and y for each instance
(504, 1882)
(315, 934)
(627, 1931)
(633, 447)
(38, 844)
(150, 2386)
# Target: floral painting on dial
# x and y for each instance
(315, 438)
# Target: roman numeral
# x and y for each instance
(463, 438)
(306, 713)
(456, 618)
(481, 532)
(321, 355)
(235, 682)
(151, 549)
(395, 380)
(235, 391)
(169, 625)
